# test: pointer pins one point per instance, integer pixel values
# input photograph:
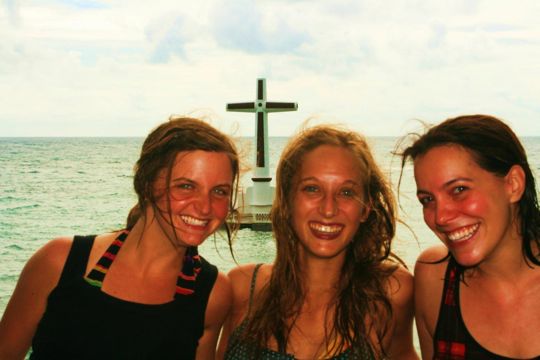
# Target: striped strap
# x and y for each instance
(97, 275)
(185, 283)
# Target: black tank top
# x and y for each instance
(452, 340)
(82, 322)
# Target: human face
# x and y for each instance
(468, 208)
(199, 193)
(327, 203)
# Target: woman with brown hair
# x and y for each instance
(142, 292)
(334, 291)
(477, 295)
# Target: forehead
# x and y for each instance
(450, 153)
(443, 163)
(201, 164)
(330, 159)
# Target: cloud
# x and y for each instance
(83, 4)
(12, 10)
(168, 38)
(78, 68)
(241, 25)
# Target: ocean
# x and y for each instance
(63, 186)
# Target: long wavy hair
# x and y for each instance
(159, 152)
(361, 291)
(495, 148)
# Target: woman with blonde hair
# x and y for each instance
(334, 290)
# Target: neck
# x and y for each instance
(148, 244)
(506, 262)
(321, 275)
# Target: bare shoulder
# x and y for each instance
(241, 280)
(27, 304)
(220, 299)
(242, 275)
(433, 253)
(401, 287)
(42, 271)
(49, 260)
(222, 286)
(431, 264)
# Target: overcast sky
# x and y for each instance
(117, 68)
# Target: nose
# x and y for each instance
(328, 207)
(445, 212)
(203, 203)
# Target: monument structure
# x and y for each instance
(256, 201)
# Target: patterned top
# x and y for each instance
(237, 350)
(452, 340)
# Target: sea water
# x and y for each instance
(64, 186)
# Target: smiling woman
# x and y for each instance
(478, 295)
(143, 292)
(334, 291)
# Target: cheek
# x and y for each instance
(429, 218)
(354, 210)
(221, 208)
(476, 205)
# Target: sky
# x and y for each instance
(120, 67)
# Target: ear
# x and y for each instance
(515, 183)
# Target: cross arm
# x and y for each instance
(241, 107)
(274, 106)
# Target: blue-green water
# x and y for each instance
(65, 186)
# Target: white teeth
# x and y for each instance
(193, 221)
(326, 228)
(463, 234)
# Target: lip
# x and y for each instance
(461, 236)
(194, 222)
(325, 231)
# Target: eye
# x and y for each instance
(222, 191)
(310, 189)
(181, 189)
(425, 200)
(183, 186)
(347, 192)
(459, 189)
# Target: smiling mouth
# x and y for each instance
(193, 221)
(462, 234)
(325, 229)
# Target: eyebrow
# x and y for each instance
(313, 178)
(194, 182)
(445, 185)
(181, 178)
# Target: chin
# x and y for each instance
(467, 260)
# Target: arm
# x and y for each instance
(428, 287)
(27, 304)
(218, 307)
(399, 343)
(240, 278)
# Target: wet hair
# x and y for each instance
(495, 148)
(159, 152)
(361, 291)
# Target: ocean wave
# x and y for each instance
(14, 247)
(21, 207)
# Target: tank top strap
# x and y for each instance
(77, 258)
(252, 286)
(97, 274)
(185, 283)
(449, 331)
